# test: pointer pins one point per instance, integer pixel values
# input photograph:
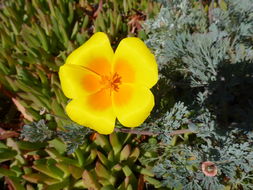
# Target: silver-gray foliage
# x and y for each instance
(206, 58)
(73, 135)
(37, 132)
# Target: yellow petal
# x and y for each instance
(132, 104)
(96, 54)
(77, 81)
(134, 62)
(94, 111)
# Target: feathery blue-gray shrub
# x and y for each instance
(205, 57)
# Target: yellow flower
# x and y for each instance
(104, 85)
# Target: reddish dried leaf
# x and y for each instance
(141, 182)
(22, 109)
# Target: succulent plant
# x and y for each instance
(36, 36)
(102, 162)
(14, 158)
(72, 159)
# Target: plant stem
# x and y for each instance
(149, 133)
(137, 132)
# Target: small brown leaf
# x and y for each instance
(9, 184)
(7, 134)
(21, 108)
(99, 9)
(141, 182)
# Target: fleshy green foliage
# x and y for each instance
(116, 167)
(14, 159)
(84, 161)
(108, 162)
(205, 59)
(35, 39)
(37, 36)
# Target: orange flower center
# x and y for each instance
(111, 82)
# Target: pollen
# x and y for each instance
(111, 82)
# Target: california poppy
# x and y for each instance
(104, 85)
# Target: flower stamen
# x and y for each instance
(111, 82)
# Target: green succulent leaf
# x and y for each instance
(90, 180)
(125, 152)
(115, 143)
(7, 154)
